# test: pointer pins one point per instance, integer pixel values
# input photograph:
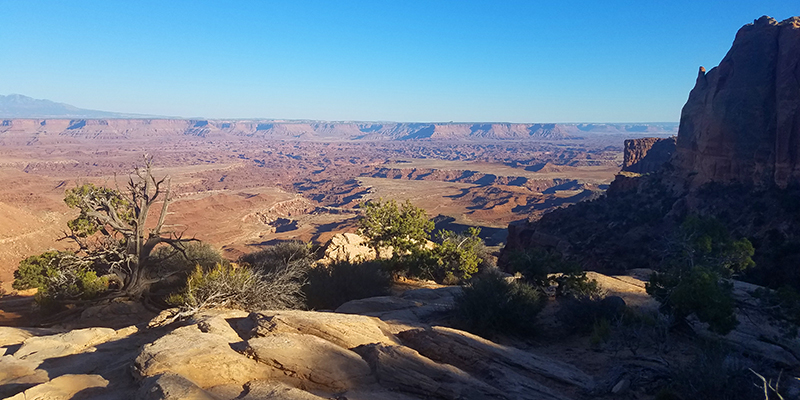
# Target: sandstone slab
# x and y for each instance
(40, 348)
(346, 331)
(204, 358)
(64, 387)
(309, 362)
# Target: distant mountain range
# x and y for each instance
(19, 106)
(24, 115)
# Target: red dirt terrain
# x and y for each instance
(238, 191)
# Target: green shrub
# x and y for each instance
(695, 277)
(70, 281)
(32, 271)
(576, 285)
(544, 268)
(60, 277)
(454, 258)
(457, 256)
(384, 224)
(417, 263)
(716, 373)
(330, 286)
(490, 305)
(241, 287)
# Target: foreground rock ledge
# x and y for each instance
(277, 355)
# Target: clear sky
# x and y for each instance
(411, 60)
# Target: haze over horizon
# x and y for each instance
(575, 61)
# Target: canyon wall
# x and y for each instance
(741, 122)
(647, 154)
(23, 131)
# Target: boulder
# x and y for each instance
(10, 336)
(495, 363)
(40, 348)
(346, 331)
(348, 247)
(261, 390)
(403, 369)
(204, 358)
(18, 375)
(309, 362)
(413, 306)
(169, 386)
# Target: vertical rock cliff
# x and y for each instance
(742, 120)
(647, 154)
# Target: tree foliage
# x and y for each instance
(115, 243)
(404, 227)
(544, 268)
(695, 278)
(457, 256)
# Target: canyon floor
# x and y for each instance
(240, 193)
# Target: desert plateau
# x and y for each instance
(352, 257)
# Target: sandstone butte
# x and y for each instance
(742, 120)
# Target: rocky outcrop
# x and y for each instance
(742, 120)
(348, 247)
(300, 355)
(647, 155)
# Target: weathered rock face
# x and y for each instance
(647, 154)
(304, 355)
(742, 120)
(348, 247)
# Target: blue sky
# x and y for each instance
(513, 61)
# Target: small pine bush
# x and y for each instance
(60, 277)
(330, 286)
(490, 305)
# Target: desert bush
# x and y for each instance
(330, 286)
(544, 268)
(456, 256)
(70, 282)
(405, 228)
(783, 305)
(581, 314)
(242, 287)
(189, 255)
(452, 259)
(291, 253)
(576, 285)
(60, 277)
(716, 373)
(32, 271)
(491, 305)
(695, 277)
